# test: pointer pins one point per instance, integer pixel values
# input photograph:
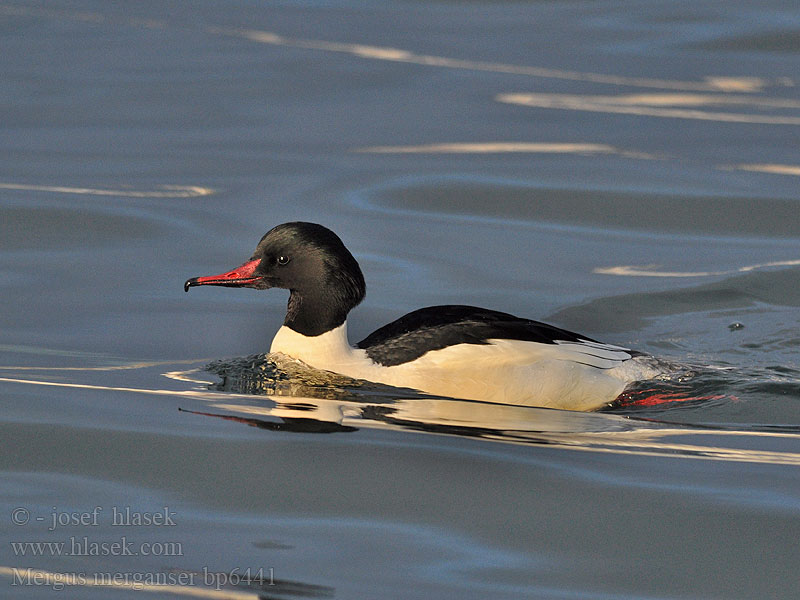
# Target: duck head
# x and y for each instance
(323, 279)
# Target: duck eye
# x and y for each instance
(283, 259)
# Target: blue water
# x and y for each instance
(627, 170)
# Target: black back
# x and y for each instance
(438, 327)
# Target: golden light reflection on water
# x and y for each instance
(494, 148)
(771, 168)
(677, 98)
(125, 367)
(164, 191)
(586, 432)
(354, 408)
(653, 270)
(661, 105)
(111, 388)
(710, 83)
(575, 149)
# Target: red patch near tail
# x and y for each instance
(655, 397)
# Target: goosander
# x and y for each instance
(455, 351)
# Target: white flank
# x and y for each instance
(567, 375)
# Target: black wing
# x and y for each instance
(437, 327)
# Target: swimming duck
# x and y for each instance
(456, 351)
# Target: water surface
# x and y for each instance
(637, 184)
